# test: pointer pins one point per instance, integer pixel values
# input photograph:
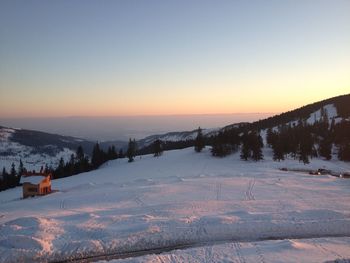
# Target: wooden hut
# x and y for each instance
(36, 184)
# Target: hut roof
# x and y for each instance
(33, 179)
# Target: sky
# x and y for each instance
(132, 58)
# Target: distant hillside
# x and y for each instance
(318, 130)
(36, 148)
(174, 137)
(340, 103)
(338, 108)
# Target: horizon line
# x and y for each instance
(137, 115)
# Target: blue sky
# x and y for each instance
(99, 58)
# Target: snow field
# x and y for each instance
(183, 198)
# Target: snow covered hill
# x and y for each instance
(336, 108)
(33, 157)
(175, 136)
(209, 209)
(36, 148)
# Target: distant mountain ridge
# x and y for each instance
(341, 104)
(338, 107)
(39, 148)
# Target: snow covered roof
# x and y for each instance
(34, 179)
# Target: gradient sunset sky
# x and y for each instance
(105, 58)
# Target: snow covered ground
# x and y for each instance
(220, 209)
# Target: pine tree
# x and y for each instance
(306, 146)
(13, 170)
(81, 161)
(245, 149)
(71, 165)
(344, 151)
(257, 145)
(325, 149)
(80, 154)
(5, 183)
(270, 137)
(199, 143)
(59, 172)
(220, 146)
(131, 152)
(111, 153)
(97, 158)
(157, 148)
(21, 168)
(13, 180)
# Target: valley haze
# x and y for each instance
(124, 127)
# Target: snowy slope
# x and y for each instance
(32, 158)
(176, 136)
(184, 198)
(331, 111)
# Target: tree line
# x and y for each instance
(300, 140)
(303, 141)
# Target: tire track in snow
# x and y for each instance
(238, 249)
(326, 250)
(63, 204)
(209, 255)
(141, 203)
(248, 193)
(218, 191)
(259, 253)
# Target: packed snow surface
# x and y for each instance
(224, 209)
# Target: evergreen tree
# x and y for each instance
(13, 170)
(277, 152)
(131, 152)
(199, 142)
(111, 153)
(13, 180)
(81, 161)
(71, 165)
(4, 182)
(257, 144)
(21, 168)
(325, 149)
(59, 172)
(305, 146)
(245, 149)
(270, 137)
(344, 151)
(157, 148)
(80, 154)
(221, 147)
(97, 156)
